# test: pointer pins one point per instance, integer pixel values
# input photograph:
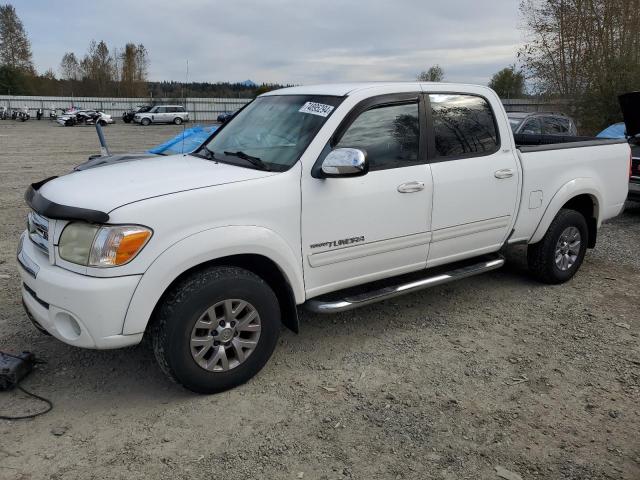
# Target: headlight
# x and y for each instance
(102, 246)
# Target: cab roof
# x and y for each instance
(344, 89)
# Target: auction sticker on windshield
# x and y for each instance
(316, 109)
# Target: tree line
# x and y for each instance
(101, 71)
(586, 52)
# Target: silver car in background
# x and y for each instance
(542, 124)
(162, 114)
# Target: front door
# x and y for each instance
(475, 176)
(360, 229)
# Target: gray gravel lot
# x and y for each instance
(446, 384)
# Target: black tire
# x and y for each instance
(145, 122)
(541, 256)
(174, 322)
(177, 120)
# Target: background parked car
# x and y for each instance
(84, 117)
(163, 114)
(225, 116)
(127, 117)
(542, 124)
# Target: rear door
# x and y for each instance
(475, 177)
(364, 228)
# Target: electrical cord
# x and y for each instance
(32, 415)
(28, 393)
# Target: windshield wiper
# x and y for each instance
(255, 161)
(210, 155)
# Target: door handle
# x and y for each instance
(504, 173)
(410, 187)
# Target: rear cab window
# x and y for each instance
(463, 126)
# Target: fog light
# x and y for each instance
(67, 326)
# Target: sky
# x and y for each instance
(284, 41)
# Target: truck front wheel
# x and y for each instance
(558, 256)
(216, 329)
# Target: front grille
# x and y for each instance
(38, 228)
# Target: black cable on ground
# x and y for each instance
(32, 415)
(28, 393)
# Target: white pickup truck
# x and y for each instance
(328, 197)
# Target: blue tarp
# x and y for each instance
(186, 141)
(617, 130)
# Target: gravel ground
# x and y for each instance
(497, 371)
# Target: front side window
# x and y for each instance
(274, 129)
(389, 134)
(463, 125)
(514, 123)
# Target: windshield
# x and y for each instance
(274, 129)
(515, 123)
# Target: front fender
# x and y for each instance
(578, 186)
(203, 247)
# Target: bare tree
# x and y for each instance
(69, 67)
(97, 68)
(15, 49)
(584, 50)
(142, 63)
(434, 74)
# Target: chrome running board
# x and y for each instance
(317, 305)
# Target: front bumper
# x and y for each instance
(79, 310)
(634, 190)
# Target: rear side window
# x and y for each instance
(179, 109)
(463, 125)
(532, 127)
(389, 134)
(555, 126)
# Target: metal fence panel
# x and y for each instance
(200, 109)
(208, 109)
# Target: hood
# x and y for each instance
(110, 186)
(630, 106)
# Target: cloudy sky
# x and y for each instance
(285, 41)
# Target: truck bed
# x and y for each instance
(550, 164)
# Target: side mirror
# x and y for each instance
(345, 162)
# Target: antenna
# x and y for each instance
(184, 101)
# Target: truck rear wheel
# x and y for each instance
(558, 256)
(216, 329)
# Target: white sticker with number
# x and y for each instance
(316, 109)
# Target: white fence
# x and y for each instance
(200, 109)
(208, 109)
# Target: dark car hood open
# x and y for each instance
(630, 106)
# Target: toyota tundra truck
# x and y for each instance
(323, 197)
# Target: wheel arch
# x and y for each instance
(582, 195)
(267, 256)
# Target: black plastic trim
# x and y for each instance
(573, 144)
(50, 209)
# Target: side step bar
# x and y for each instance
(317, 305)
